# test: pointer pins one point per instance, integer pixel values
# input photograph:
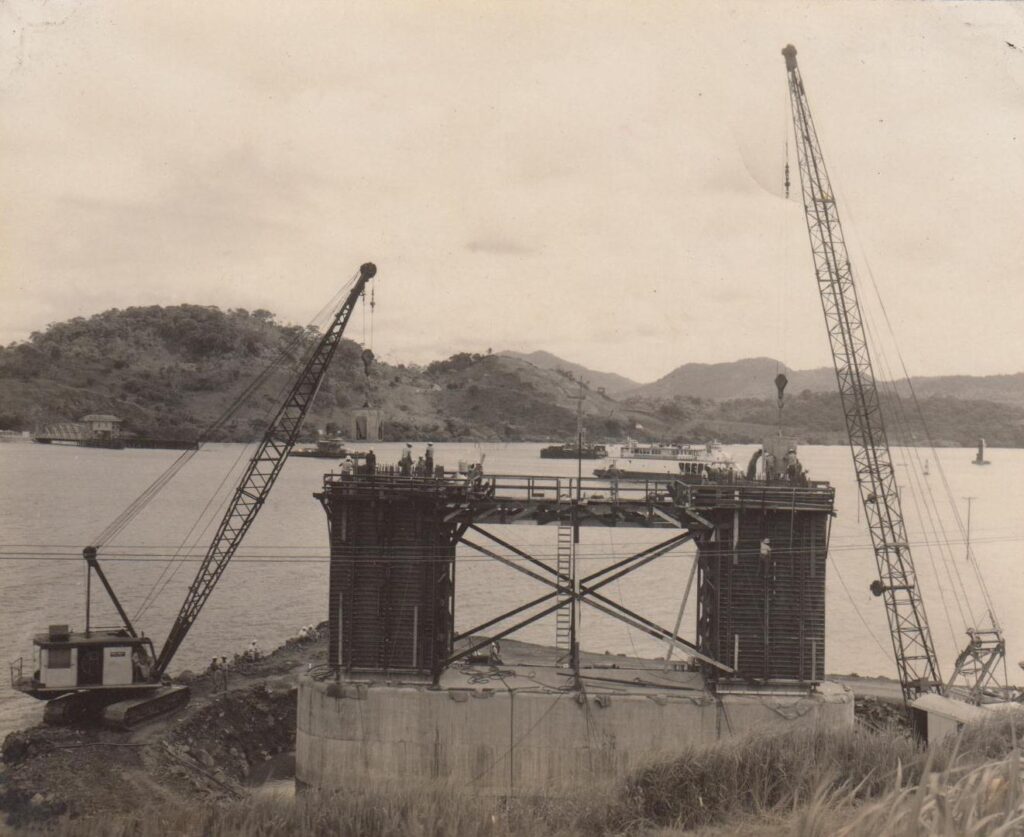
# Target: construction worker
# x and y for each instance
(347, 466)
(371, 462)
(428, 459)
(794, 471)
(405, 463)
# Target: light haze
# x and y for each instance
(600, 180)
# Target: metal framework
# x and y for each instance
(261, 473)
(908, 623)
(568, 592)
(371, 629)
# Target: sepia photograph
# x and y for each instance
(451, 418)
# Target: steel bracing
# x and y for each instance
(908, 623)
(261, 473)
(567, 593)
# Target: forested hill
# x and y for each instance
(171, 371)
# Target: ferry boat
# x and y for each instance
(693, 462)
(570, 450)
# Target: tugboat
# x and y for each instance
(571, 451)
(979, 458)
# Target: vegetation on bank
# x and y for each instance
(803, 782)
(170, 371)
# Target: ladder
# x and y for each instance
(566, 578)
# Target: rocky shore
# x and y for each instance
(237, 721)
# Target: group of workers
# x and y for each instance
(408, 466)
(787, 468)
(423, 467)
(349, 465)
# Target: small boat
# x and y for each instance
(979, 458)
(570, 450)
(329, 448)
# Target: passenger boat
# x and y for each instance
(570, 450)
(693, 462)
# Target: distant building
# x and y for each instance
(102, 426)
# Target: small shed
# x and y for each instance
(102, 426)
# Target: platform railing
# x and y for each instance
(562, 491)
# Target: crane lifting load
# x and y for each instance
(897, 583)
(117, 669)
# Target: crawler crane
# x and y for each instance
(918, 666)
(116, 669)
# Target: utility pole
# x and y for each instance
(967, 552)
(574, 643)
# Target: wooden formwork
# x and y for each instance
(761, 592)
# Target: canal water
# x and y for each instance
(55, 500)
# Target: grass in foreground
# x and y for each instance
(803, 782)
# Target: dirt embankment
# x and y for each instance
(236, 721)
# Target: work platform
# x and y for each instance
(658, 502)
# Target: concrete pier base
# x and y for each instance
(526, 730)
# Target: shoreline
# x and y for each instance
(216, 747)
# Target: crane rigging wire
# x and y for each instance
(970, 669)
(905, 378)
(288, 356)
(197, 530)
(150, 492)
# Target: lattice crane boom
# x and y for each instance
(261, 473)
(908, 623)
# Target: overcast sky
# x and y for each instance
(601, 180)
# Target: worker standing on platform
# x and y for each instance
(347, 466)
(794, 470)
(405, 463)
(428, 459)
(371, 462)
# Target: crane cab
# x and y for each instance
(101, 659)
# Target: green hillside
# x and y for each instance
(170, 372)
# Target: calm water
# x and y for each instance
(54, 500)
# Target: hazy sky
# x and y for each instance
(601, 180)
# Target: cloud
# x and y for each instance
(499, 247)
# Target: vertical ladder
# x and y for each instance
(564, 566)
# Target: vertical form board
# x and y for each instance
(762, 611)
(391, 574)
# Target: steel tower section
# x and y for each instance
(908, 623)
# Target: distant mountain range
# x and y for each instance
(168, 372)
(753, 378)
